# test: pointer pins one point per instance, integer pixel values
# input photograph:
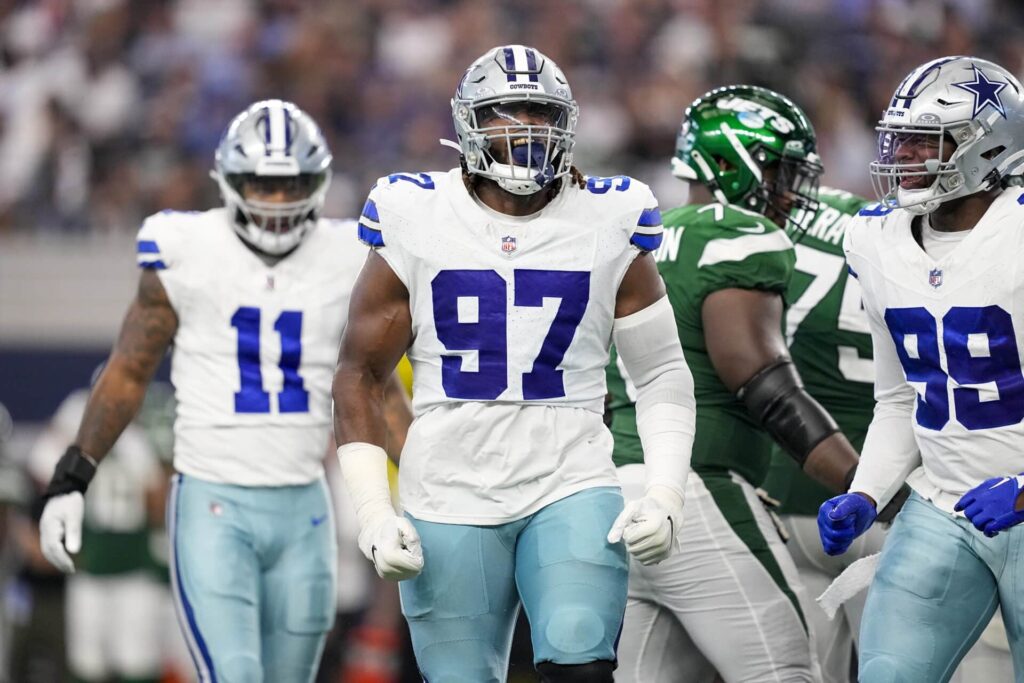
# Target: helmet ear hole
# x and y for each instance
(993, 153)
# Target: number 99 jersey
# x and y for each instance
(948, 337)
(512, 320)
(256, 346)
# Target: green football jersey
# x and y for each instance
(706, 249)
(830, 343)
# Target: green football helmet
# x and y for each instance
(753, 148)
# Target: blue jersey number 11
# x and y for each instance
(251, 397)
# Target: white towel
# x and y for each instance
(853, 580)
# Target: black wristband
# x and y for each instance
(73, 473)
(888, 513)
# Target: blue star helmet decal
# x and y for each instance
(985, 92)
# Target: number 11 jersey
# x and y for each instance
(512, 320)
(948, 337)
(256, 345)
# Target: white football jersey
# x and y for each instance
(949, 338)
(512, 321)
(256, 346)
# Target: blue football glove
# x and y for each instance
(990, 505)
(842, 519)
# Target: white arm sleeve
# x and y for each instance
(890, 450)
(648, 344)
(364, 469)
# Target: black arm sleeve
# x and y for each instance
(776, 398)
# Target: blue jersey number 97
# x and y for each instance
(471, 314)
(981, 350)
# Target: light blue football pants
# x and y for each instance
(572, 583)
(253, 574)
(937, 586)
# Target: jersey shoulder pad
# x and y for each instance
(632, 204)
(337, 233)
(874, 223)
(719, 220)
(396, 196)
(737, 248)
(164, 237)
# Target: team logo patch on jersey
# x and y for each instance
(935, 277)
(508, 244)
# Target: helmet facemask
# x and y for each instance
(275, 226)
(791, 190)
(523, 145)
(905, 184)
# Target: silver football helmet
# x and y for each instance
(970, 113)
(515, 119)
(273, 167)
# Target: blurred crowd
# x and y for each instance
(110, 110)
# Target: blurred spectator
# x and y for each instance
(108, 108)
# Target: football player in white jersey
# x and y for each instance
(506, 280)
(253, 297)
(939, 263)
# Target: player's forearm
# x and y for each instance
(890, 454)
(831, 461)
(114, 402)
(147, 331)
(359, 406)
(397, 417)
(648, 344)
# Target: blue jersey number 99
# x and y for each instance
(981, 349)
(482, 326)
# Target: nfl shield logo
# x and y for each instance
(935, 277)
(508, 244)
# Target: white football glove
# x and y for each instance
(60, 529)
(649, 526)
(392, 544)
(386, 539)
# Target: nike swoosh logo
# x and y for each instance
(753, 230)
(318, 520)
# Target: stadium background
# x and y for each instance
(110, 110)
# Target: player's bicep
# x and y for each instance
(379, 328)
(641, 286)
(148, 329)
(742, 332)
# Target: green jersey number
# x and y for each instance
(825, 270)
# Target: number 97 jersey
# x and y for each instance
(949, 337)
(512, 312)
